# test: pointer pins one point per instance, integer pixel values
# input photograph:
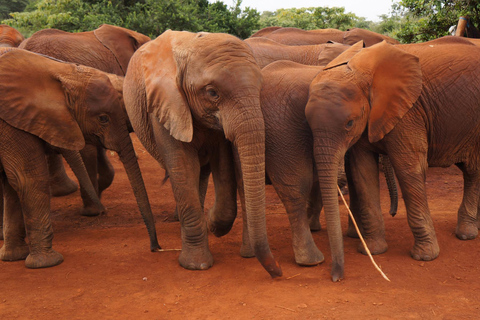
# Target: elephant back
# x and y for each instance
(81, 48)
(9, 37)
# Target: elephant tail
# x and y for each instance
(391, 183)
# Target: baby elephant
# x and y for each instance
(46, 103)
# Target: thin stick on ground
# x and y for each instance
(361, 238)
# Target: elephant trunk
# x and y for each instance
(327, 160)
(249, 140)
(127, 156)
(75, 162)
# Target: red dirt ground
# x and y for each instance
(109, 273)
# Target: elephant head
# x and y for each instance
(189, 80)
(9, 37)
(362, 90)
(68, 105)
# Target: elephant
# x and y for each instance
(109, 49)
(289, 164)
(267, 51)
(295, 36)
(46, 102)
(265, 31)
(193, 100)
(397, 100)
(9, 36)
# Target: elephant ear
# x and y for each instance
(121, 42)
(165, 98)
(395, 82)
(345, 56)
(33, 98)
(331, 51)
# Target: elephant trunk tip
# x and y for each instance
(155, 247)
(337, 271)
(272, 266)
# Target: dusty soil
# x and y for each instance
(109, 273)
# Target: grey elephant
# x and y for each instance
(107, 48)
(45, 103)
(417, 103)
(190, 98)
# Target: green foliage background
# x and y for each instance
(409, 20)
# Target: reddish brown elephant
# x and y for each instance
(267, 51)
(107, 48)
(417, 103)
(190, 98)
(9, 37)
(295, 36)
(44, 103)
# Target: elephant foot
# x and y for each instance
(467, 231)
(196, 259)
(13, 254)
(219, 228)
(425, 252)
(308, 258)
(352, 231)
(47, 259)
(314, 224)
(62, 186)
(92, 211)
(376, 246)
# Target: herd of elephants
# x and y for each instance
(302, 110)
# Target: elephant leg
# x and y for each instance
(106, 172)
(28, 176)
(14, 247)
(203, 184)
(304, 247)
(364, 190)
(90, 156)
(314, 207)
(467, 227)
(294, 184)
(223, 214)
(183, 166)
(411, 168)
(60, 182)
(1, 211)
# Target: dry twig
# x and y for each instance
(286, 308)
(361, 238)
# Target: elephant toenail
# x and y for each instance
(204, 266)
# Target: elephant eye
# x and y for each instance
(103, 118)
(212, 93)
(349, 125)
